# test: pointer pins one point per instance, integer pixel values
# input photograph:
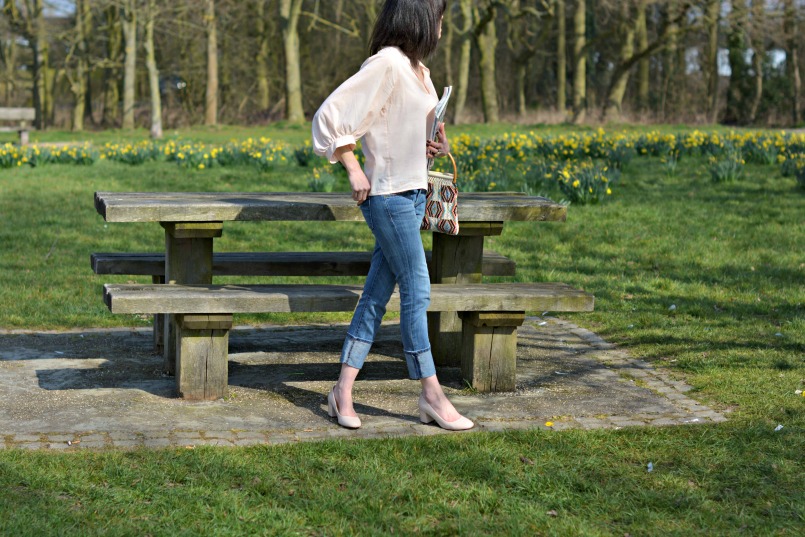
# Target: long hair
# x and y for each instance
(410, 25)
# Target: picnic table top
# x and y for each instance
(302, 206)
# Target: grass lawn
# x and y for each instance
(705, 280)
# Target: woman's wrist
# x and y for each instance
(347, 158)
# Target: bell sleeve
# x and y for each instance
(353, 107)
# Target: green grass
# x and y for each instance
(727, 257)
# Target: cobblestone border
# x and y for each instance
(689, 411)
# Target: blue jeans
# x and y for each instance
(398, 258)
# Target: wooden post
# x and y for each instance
(23, 134)
(456, 259)
(489, 349)
(159, 323)
(202, 343)
(188, 259)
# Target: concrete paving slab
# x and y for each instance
(105, 388)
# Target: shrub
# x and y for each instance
(728, 168)
(11, 156)
(132, 154)
(321, 181)
(585, 184)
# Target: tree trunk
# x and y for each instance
(617, 87)
(153, 72)
(522, 69)
(448, 34)
(758, 46)
(464, 62)
(30, 23)
(262, 57)
(487, 42)
(211, 94)
(670, 66)
(111, 74)
(736, 45)
(289, 18)
(10, 61)
(580, 62)
(712, 19)
(792, 59)
(644, 66)
(561, 58)
(129, 21)
(79, 82)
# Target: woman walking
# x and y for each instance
(389, 104)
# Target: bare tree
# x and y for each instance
(79, 51)
(580, 62)
(113, 33)
(289, 20)
(737, 45)
(261, 58)
(561, 57)
(529, 26)
(129, 21)
(465, 34)
(151, 13)
(757, 37)
(792, 58)
(644, 65)
(8, 57)
(628, 57)
(211, 94)
(712, 18)
(27, 20)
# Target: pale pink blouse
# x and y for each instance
(387, 107)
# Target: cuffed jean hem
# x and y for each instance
(355, 351)
(420, 364)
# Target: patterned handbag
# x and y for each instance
(441, 207)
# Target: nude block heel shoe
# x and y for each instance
(427, 415)
(350, 422)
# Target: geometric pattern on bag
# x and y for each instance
(441, 206)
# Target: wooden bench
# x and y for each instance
(21, 115)
(273, 264)
(490, 315)
(193, 220)
(267, 264)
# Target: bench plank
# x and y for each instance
(17, 114)
(491, 315)
(149, 298)
(301, 206)
(274, 263)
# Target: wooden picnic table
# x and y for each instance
(192, 220)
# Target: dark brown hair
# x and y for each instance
(410, 25)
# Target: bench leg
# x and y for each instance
(159, 323)
(489, 349)
(188, 260)
(202, 346)
(455, 259)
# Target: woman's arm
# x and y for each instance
(357, 178)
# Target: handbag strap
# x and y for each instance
(455, 168)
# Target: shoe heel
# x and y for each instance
(330, 406)
(424, 417)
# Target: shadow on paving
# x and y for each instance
(110, 384)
